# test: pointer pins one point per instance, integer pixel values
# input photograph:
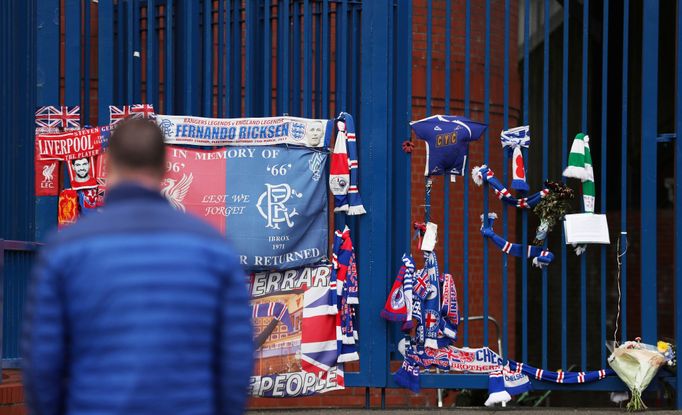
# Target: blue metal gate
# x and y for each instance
(313, 58)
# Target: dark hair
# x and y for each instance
(137, 144)
(73, 162)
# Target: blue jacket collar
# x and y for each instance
(129, 191)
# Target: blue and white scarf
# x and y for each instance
(512, 140)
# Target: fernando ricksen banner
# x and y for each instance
(180, 129)
(271, 201)
(294, 320)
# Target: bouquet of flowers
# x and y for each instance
(551, 209)
(636, 364)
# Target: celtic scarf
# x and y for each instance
(580, 167)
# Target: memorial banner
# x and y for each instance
(270, 201)
(295, 324)
(73, 144)
(180, 129)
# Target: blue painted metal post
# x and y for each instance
(267, 60)
(105, 59)
(524, 214)
(583, 123)
(47, 93)
(649, 167)
(678, 201)
(486, 157)
(169, 74)
(251, 73)
(376, 195)
(545, 169)
(152, 57)
(624, 173)
(604, 175)
(564, 158)
(505, 212)
(465, 202)
(207, 81)
(187, 68)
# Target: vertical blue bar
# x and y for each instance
(236, 61)
(72, 53)
(325, 59)
(602, 196)
(283, 83)
(152, 56)
(121, 34)
(267, 60)
(221, 59)
(105, 59)
(341, 55)
(85, 109)
(524, 214)
(207, 109)
(137, 57)
(307, 59)
(446, 181)
(47, 93)
(228, 58)
(296, 57)
(545, 167)
(188, 70)
(169, 74)
(564, 158)
(678, 200)
(505, 214)
(465, 202)
(649, 166)
(375, 115)
(624, 173)
(583, 123)
(429, 56)
(486, 158)
(129, 50)
(251, 72)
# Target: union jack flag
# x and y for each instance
(117, 114)
(44, 118)
(67, 118)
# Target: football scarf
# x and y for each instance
(504, 383)
(73, 144)
(118, 114)
(580, 167)
(447, 140)
(67, 207)
(199, 131)
(541, 257)
(343, 171)
(513, 140)
(408, 282)
(46, 172)
(512, 379)
(395, 308)
(82, 173)
(449, 310)
(485, 174)
(344, 275)
(431, 302)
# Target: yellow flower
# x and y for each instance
(662, 346)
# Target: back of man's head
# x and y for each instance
(136, 152)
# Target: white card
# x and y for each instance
(586, 228)
(430, 237)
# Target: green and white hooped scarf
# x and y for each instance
(580, 167)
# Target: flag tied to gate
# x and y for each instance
(180, 129)
(271, 200)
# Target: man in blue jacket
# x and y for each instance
(139, 309)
